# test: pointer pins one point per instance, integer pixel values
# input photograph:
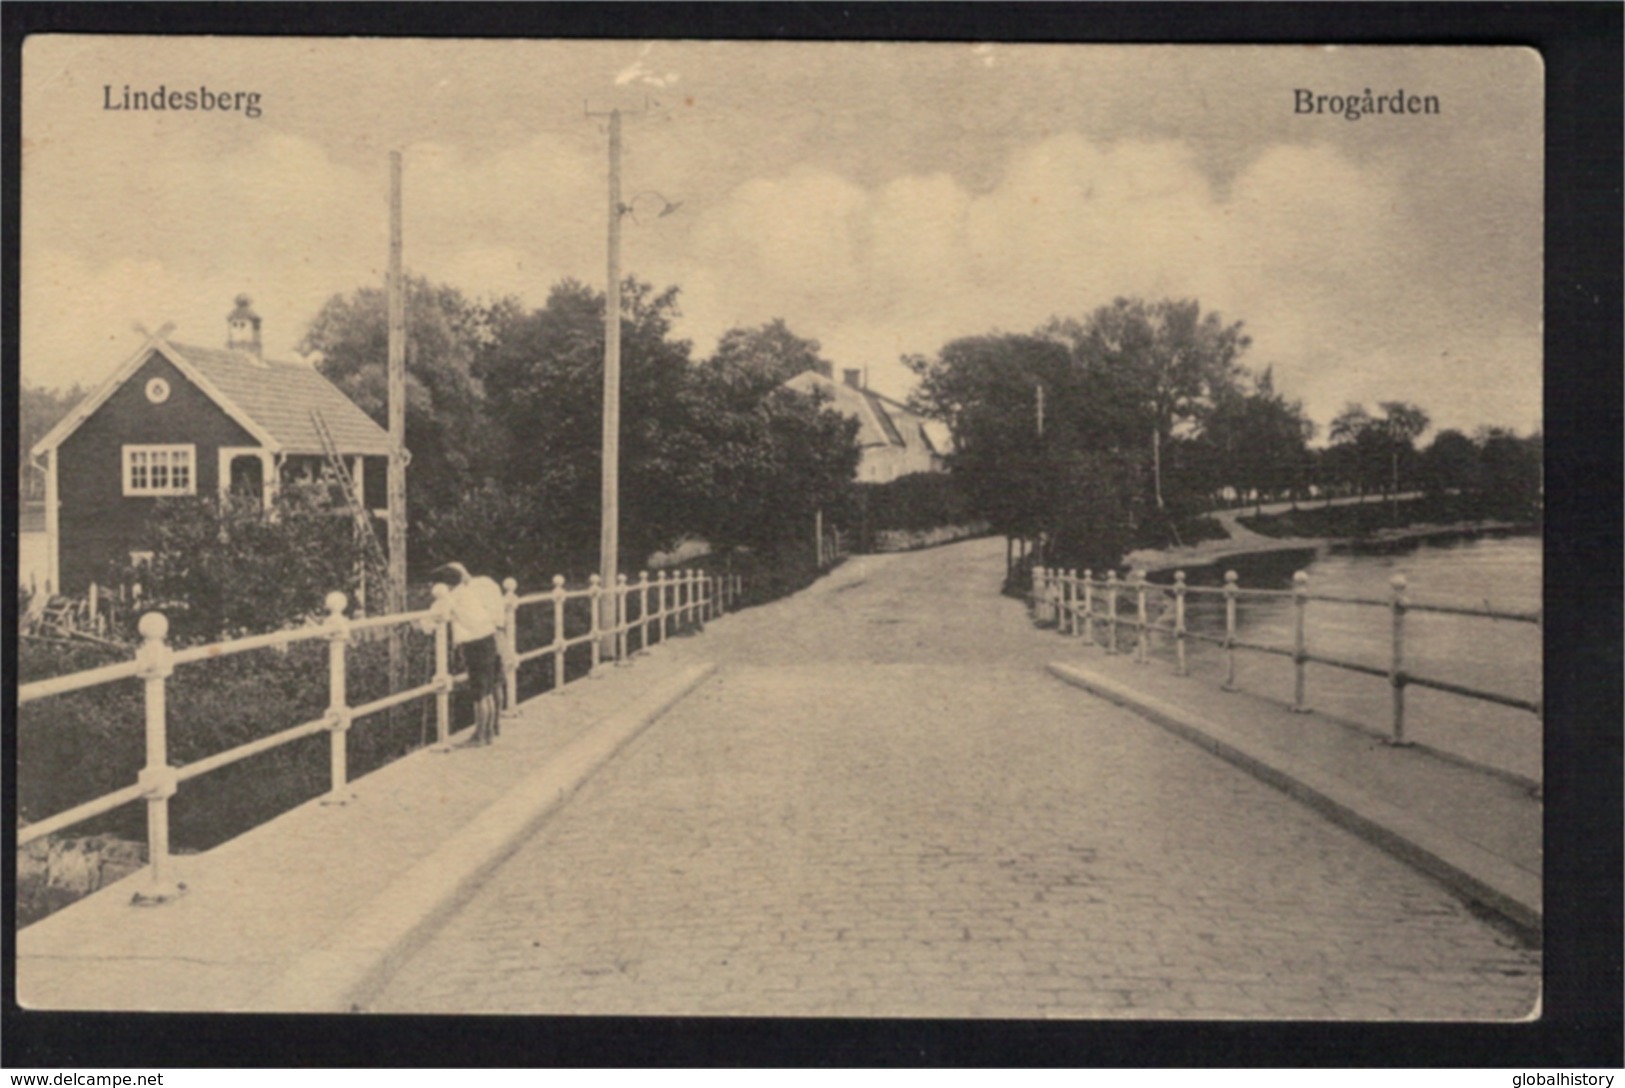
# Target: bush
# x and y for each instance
(490, 529)
(222, 568)
(918, 501)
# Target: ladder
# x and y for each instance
(375, 563)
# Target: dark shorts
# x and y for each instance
(481, 658)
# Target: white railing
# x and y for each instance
(1088, 607)
(682, 599)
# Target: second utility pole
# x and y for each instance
(609, 527)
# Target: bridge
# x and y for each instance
(892, 794)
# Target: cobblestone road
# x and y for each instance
(882, 806)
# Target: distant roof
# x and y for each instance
(876, 402)
(882, 421)
(271, 400)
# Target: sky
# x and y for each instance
(882, 199)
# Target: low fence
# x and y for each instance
(1092, 608)
(646, 611)
(832, 547)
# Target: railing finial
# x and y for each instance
(153, 626)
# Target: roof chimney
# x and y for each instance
(243, 327)
(852, 376)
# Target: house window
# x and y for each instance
(159, 470)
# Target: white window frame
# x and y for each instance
(147, 490)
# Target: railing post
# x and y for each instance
(510, 660)
(158, 780)
(1179, 622)
(1069, 600)
(1230, 591)
(1396, 670)
(644, 618)
(1300, 640)
(1111, 612)
(1089, 606)
(620, 620)
(664, 600)
(1038, 593)
(558, 631)
(442, 668)
(1143, 642)
(595, 591)
(338, 700)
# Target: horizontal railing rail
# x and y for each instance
(683, 599)
(1089, 607)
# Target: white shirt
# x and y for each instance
(490, 595)
(470, 621)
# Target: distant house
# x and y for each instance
(178, 420)
(895, 441)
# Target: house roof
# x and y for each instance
(280, 396)
(850, 402)
(271, 400)
(882, 421)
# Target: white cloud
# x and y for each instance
(1305, 244)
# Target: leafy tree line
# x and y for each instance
(504, 416)
(504, 422)
(1116, 430)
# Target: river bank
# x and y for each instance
(1244, 541)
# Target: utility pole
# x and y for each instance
(397, 397)
(609, 527)
(395, 597)
(1040, 409)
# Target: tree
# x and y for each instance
(543, 376)
(1450, 463)
(985, 388)
(1376, 449)
(1258, 441)
(1171, 360)
(758, 473)
(38, 410)
(1355, 456)
(759, 359)
(1076, 484)
(1511, 472)
(445, 421)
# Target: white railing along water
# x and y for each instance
(1088, 607)
(682, 599)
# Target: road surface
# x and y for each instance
(882, 806)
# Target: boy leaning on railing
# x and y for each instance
(474, 628)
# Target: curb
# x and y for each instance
(352, 966)
(1491, 881)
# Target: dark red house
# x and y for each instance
(181, 420)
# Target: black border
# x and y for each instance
(1582, 1025)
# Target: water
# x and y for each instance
(1501, 656)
